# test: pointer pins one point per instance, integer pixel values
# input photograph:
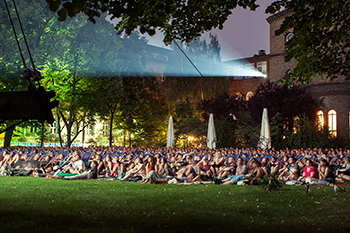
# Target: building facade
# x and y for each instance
(246, 86)
(333, 96)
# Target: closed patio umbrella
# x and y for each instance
(211, 136)
(170, 140)
(265, 138)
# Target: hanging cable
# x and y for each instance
(24, 35)
(36, 74)
(188, 59)
(14, 31)
(196, 68)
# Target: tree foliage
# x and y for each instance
(321, 39)
(289, 102)
(177, 19)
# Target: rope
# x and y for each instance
(199, 72)
(24, 35)
(14, 31)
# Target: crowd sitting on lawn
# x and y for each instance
(178, 165)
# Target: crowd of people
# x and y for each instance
(223, 166)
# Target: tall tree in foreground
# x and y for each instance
(177, 19)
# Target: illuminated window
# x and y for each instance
(320, 119)
(249, 95)
(332, 122)
(105, 129)
(238, 95)
(262, 67)
(53, 128)
(90, 130)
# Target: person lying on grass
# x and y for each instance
(241, 172)
(228, 170)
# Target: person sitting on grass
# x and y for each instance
(217, 163)
(138, 170)
(255, 173)
(343, 173)
(310, 173)
(291, 173)
(77, 166)
(325, 172)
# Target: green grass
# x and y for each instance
(30, 204)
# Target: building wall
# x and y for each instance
(243, 85)
(333, 95)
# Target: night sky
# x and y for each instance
(244, 33)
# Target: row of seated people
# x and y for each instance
(161, 167)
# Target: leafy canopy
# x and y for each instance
(321, 39)
(177, 19)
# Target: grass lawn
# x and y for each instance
(29, 204)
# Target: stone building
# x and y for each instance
(246, 85)
(333, 96)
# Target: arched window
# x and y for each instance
(289, 36)
(238, 95)
(332, 122)
(320, 119)
(249, 95)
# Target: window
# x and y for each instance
(90, 130)
(249, 95)
(320, 119)
(332, 122)
(166, 58)
(238, 95)
(289, 36)
(53, 128)
(105, 129)
(249, 66)
(262, 67)
(228, 70)
(156, 55)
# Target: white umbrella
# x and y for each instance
(170, 140)
(265, 139)
(211, 137)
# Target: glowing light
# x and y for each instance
(320, 119)
(332, 122)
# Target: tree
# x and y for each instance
(289, 102)
(142, 111)
(321, 39)
(222, 107)
(177, 19)
(182, 79)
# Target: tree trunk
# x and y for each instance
(8, 136)
(111, 129)
(42, 136)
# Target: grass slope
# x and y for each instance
(30, 204)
